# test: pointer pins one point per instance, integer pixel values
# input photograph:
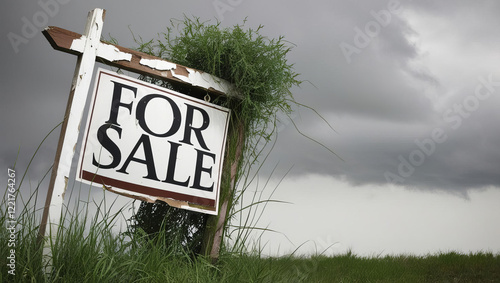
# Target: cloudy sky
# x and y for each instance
(412, 89)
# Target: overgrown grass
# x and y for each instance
(84, 253)
(262, 77)
(256, 65)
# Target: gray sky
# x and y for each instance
(411, 87)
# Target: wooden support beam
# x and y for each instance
(216, 224)
(139, 62)
(69, 134)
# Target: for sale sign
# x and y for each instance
(150, 141)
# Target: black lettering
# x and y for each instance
(200, 169)
(148, 158)
(109, 145)
(197, 131)
(141, 112)
(115, 103)
(172, 160)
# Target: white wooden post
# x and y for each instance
(69, 132)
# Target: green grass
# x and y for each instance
(446, 267)
(96, 255)
(86, 250)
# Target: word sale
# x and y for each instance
(190, 137)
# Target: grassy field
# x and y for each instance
(449, 267)
(154, 266)
(85, 250)
(97, 255)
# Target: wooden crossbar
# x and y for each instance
(139, 62)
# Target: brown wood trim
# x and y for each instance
(61, 39)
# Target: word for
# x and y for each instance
(174, 126)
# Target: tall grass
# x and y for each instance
(28, 255)
(86, 250)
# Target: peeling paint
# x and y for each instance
(151, 199)
(174, 203)
(159, 65)
(105, 51)
(130, 194)
(66, 147)
(111, 53)
(194, 77)
(144, 64)
(78, 44)
(204, 80)
(65, 186)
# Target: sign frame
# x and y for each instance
(131, 184)
(89, 49)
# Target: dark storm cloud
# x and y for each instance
(378, 101)
(380, 104)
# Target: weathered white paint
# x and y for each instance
(79, 44)
(159, 65)
(111, 53)
(105, 51)
(205, 80)
(130, 194)
(194, 78)
(153, 199)
(80, 86)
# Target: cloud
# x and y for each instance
(395, 90)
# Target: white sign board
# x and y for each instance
(150, 141)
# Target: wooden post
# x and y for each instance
(213, 234)
(69, 133)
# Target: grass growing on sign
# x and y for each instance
(256, 65)
(262, 77)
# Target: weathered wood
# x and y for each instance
(69, 133)
(141, 63)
